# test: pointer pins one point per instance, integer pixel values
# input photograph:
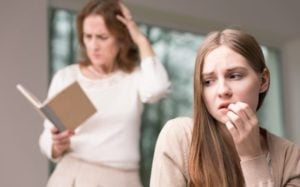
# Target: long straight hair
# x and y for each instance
(213, 159)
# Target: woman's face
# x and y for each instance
(101, 46)
(228, 78)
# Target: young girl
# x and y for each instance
(223, 145)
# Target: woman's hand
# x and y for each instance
(61, 142)
(244, 128)
(137, 36)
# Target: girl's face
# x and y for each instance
(228, 78)
(101, 46)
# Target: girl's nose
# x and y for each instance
(224, 90)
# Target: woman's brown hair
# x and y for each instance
(128, 56)
(213, 159)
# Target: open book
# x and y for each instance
(66, 110)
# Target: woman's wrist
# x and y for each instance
(56, 153)
(145, 48)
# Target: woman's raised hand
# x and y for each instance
(137, 36)
(128, 21)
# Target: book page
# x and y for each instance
(72, 106)
(29, 96)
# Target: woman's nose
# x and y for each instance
(224, 90)
(95, 44)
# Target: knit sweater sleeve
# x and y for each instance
(291, 165)
(153, 83)
(257, 172)
(169, 167)
(283, 170)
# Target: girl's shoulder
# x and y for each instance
(178, 130)
(279, 142)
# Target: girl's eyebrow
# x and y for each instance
(207, 74)
(237, 68)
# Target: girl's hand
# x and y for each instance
(244, 128)
(61, 142)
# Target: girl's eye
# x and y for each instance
(207, 82)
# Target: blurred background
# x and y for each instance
(38, 37)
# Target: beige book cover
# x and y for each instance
(67, 109)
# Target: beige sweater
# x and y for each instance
(170, 163)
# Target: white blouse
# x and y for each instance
(111, 136)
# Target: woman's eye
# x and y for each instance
(102, 37)
(87, 36)
(235, 76)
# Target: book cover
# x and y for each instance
(66, 110)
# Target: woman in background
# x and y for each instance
(223, 144)
(104, 150)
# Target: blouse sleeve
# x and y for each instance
(45, 140)
(169, 167)
(154, 83)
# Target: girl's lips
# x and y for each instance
(223, 110)
(224, 106)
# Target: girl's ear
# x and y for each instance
(265, 81)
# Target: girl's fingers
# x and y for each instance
(251, 116)
(239, 110)
(236, 120)
(232, 129)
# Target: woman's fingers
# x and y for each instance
(59, 149)
(132, 27)
(61, 137)
(61, 141)
(126, 19)
(126, 12)
(54, 130)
